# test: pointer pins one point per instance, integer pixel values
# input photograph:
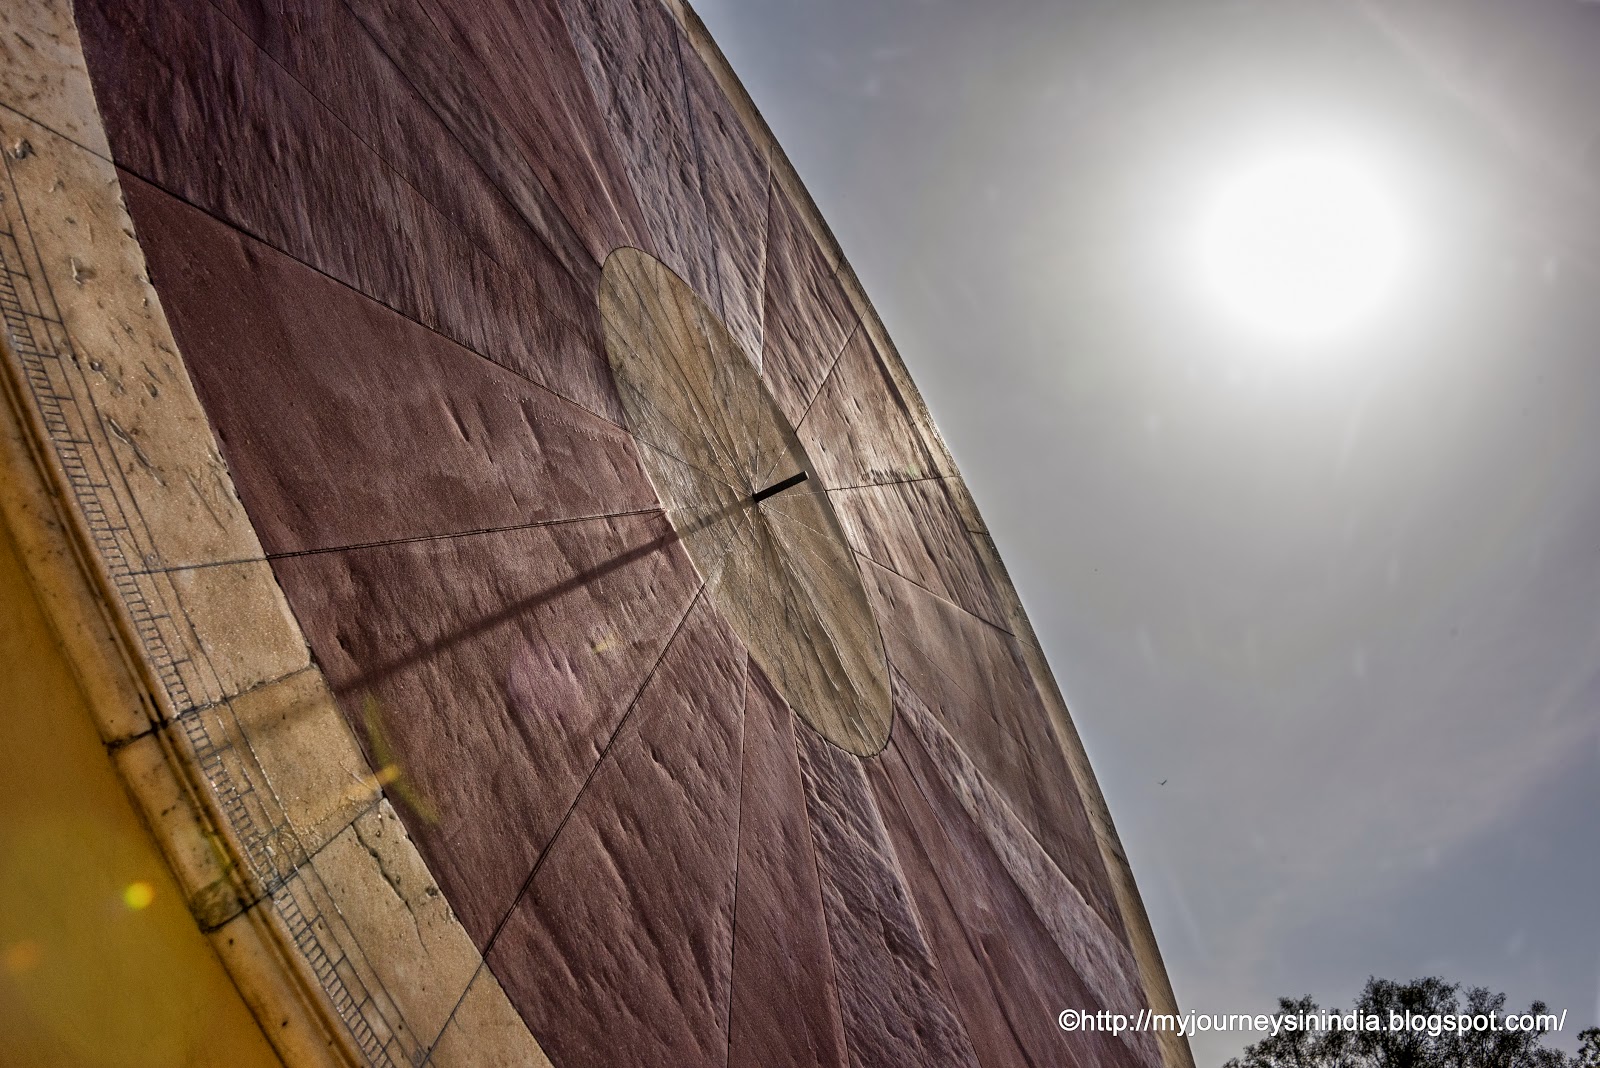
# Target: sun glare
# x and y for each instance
(1302, 246)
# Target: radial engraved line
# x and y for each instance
(941, 598)
(847, 569)
(558, 217)
(816, 869)
(674, 318)
(832, 366)
(1003, 798)
(738, 850)
(938, 877)
(744, 418)
(638, 433)
(584, 789)
(891, 568)
(709, 523)
(934, 662)
(293, 553)
(760, 358)
(689, 115)
(829, 643)
(457, 342)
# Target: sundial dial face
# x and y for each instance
(550, 627)
(779, 568)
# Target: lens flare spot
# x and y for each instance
(138, 895)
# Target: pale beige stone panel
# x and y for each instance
(486, 1032)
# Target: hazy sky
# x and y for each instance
(1346, 601)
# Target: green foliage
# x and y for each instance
(1588, 1048)
(1418, 1047)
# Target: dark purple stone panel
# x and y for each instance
(505, 80)
(629, 50)
(1042, 942)
(785, 1004)
(192, 105)
(972, 676)
(329, 51)
(735, 175)
(984, 1007)
(859, 430)
(893, 1000)
(1017, 942)
(808, 315)
(344, 423)
(498, 666)
(619, 953)
(914, 530)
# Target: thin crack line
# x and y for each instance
(616, 733)
(418, 539)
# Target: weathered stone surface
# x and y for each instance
(779, 569)
(91, 275)
(913, 529)
(860, 430)
(359, 993)
(345, 62)
(484, 675)
(785, 1004)
(895, 1005)
(808, 317)
(395, 432)
(986, 1007)
(42, 73)
(971, 675)
(1040, 945)
(505, 80)
(193, 106)
(380, 886)
(301, 752)
(486, 1032)
(240, 624)
(629, 51)
(619, 952)
(735, 177)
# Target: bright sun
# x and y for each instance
(1302, 246)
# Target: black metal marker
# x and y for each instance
(779, 487)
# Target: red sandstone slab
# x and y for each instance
(499, 666)
(344, 423)
(972, 676)
(735, 176)
(913, 529)
(785, 1005)
(859, 430)
(192, 105)
(629, 50)
(893, 1000)
(506, 81)
(323, 45)
(619, 953)
(984, 1004)
(1033, 943)
(808, 317)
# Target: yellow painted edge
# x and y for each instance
(54, 548)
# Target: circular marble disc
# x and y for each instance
(780, 569)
